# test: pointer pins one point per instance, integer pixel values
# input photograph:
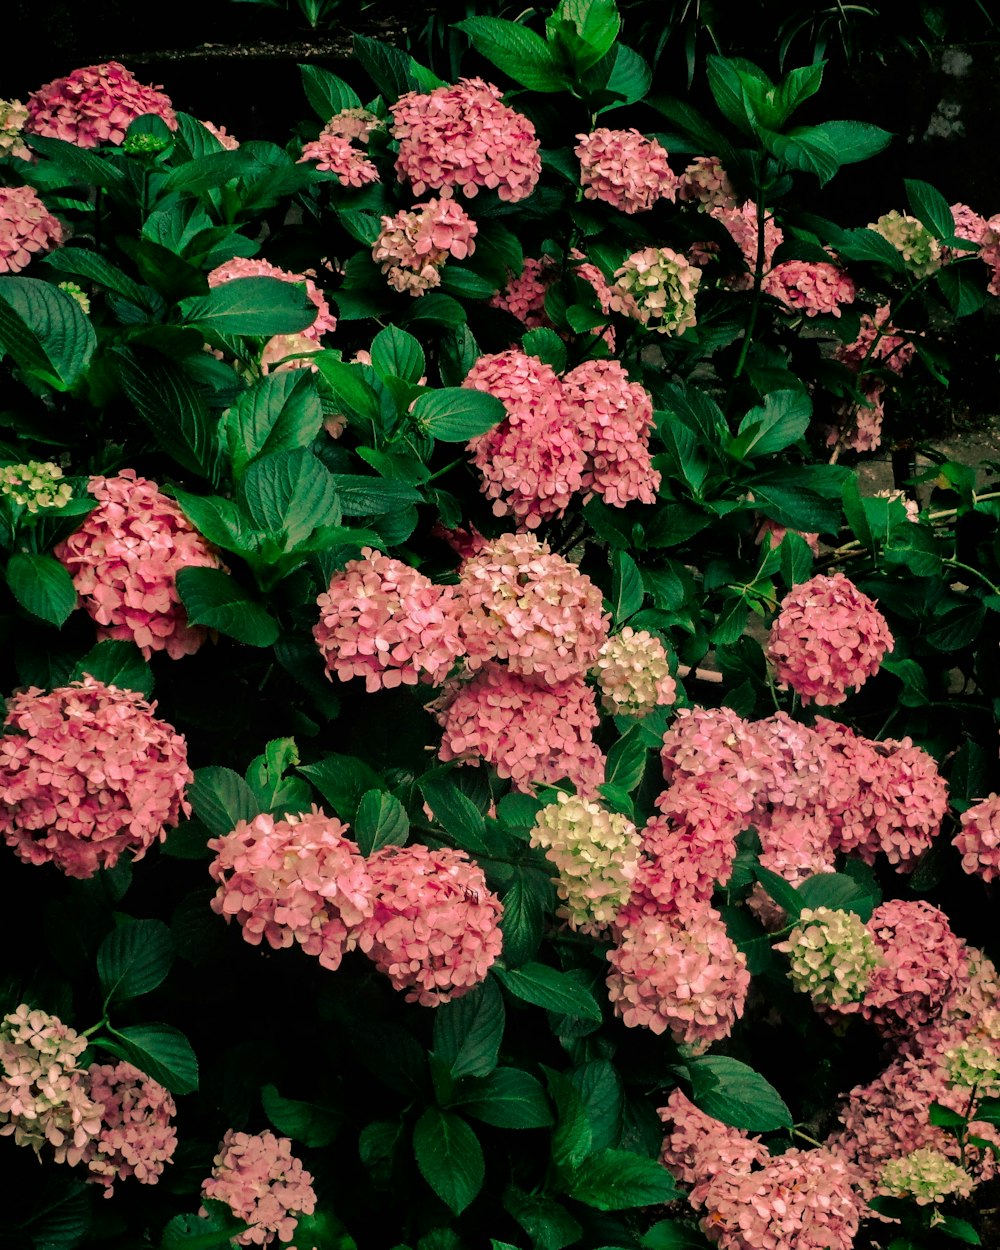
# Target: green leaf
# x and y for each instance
(278, 413)
(626, 587)
(855, 141)
(838, 892)
(262, 306)
(958, 627)
(220, 799)
(630, 77)
(342, 780)
(597, 23)
(547, 346)
(573, 1138)
(289, 494)
(388, 67)
(213, 599)
(523, 919)
(306, 1122)
(727, 89)
(600, 1087)
(81, 167)
(327, 93)
(396, 354)
(457, 413)
(672, 1235)
(381, 820)
(626, 760)
(42, 586)
(205, 173)
(507, 1098)
(546, 987)
(45, 331)
(796, 559)
(196, 1232)
(869, 245)
(468, 1031)
(547, 1223)
(785, 895)
(134, 958)
(81, 262)
(518, 51)
(116, 663)
(930, 208)
(372, 496)
(615, 1180)
(960, 1230)
(449, 1157)
(455, 812)
(796, 507)
(734, 1093)
(782, 420)
(159, 1050)
(796, 87)
(963, 288)
(218, 520)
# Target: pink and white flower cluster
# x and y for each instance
(413, 245)
(137, 1135)
(27, 228)
(262, 1183)
(624, 169)
(633, 671)
(705, 183)
(331, 150)
(247, 267)
(93, 105)
(657, 287)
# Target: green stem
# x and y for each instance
(967, 568)
(797, 1132)
(447, 469)
(758, 278)
(94, 1028)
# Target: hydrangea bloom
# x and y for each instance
(27, 228)
(923, 966)
(536, 610)
(137, 1136)
(87, 773)
(435, 928)
(595, 853)
(625, 169)
(707, 183)
(385, 622)
(246, 267)
(262, 1183)
(465, 137)
(911, 238)
(354, 124)
(975, 1064)
(37, 484)
(613, 417)
(796, 843)
(878, 343)
(330, 150)
(831, 955)
(697, 1148)
(680, 973)
(94, 105)
(43, 1091)
(827, 638)
(801, 1200)
(298, 879)
(13, 116)
(633, 672)
(532, 462)
(529, 731)
(124, 560)
(524, 296)
(978, 840)
(742, 225)
(989, 252)
(858, 426)
(926, 1176)
(809, 287)
(413, 245)
(710, 741)
(657, 287)
(229, 142)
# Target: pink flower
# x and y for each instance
(43, 1090)
(532, 462)
(679, 973)
(299, 879)
(13, 116)
(414, 245)
(878, 343)
(137, 1137)
(124, 560)
(809, 287)
(625, 169)
(969, 226)
(657, 287)
(706, 182)
(228, 141)
(697, 1148)
(354, 124)
(529, 731)
(435, 929)
(536, 610)
(94, 105)
(524, 296)
(742, 225)
(796, 844)
(858, 426)
(827, 638)
(87, 773)
(262, 1183)
(243, 267)
(27, 228)
(384, 621)
(464, 137)
(331, 150)
(614, 417)
(978, 840)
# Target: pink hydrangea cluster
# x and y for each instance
(384, 621)
(524, 296)
(989, 252)
(531, 732)
(533, 461)
(633, 672)
(434, 931)
(679, 973)
(229, 142)
(354, 124)
(94, 105)
(796, 843)
(86, 773)
(858, 426)
(742, 226)
(298, 879)
(414, 245)
(27, 228)
(657, 287)
(978, 839)
(137, 1136)
(625, 169)
(595, 853)
(707, 184)
(809, 287)
(613, 417)
(262, 1183)
(124, 560)
(697, 1148)
(969, 225)
(878, 343)
(43, 1090)
(464, 137)
(332, 151)
(827, 638)
(247, 267)
(523, 604)
(13, 116)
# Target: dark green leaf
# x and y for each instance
(547, 346)
(117, 663)
(573, 1137)
(261, 306)
(468, 1031)
(306, 1122)
(213, 599)
(388, 67)
(289, 494)
(196, 1232)
(278, 413)
(600, 1087)
(381, 820)
(134, 958)
(734, 1093)
(342, 780)
(523, 919)
(507, 1098)
(397, 354)
(45, 331)
(549, 988)
(449, 1157)
(838, 892)
(930, 208)
(615, 1180)
(220, 799)
(457, 413)
(626, 587)
(963, 288)
(372, 496)
(672, 1235)
(455, 812)
(626, 760)
(518, 51)
(159, 1050)
(173, 409)
(327, 93)
(42, 586)
(785, 895)
(782, 420)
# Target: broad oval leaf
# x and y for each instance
(45, 331)
(42, 586)
(734, 1093)
(134, 958)
(213, 599)
(381, 820)
(261, 306)
(449, 1157)
(549, 988)
(468, 1031)
(507, 1098)
(457, 413)
(221, 799)
(117, 663)
(159, 1050)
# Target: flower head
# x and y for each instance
(245, 267)
(742, 225)
(926, 1176)
(13, 116)
(633, 672)
(37, 484)
(137, 1137)
(978, 840)
(832, 956)
(625, 169)
(918, 247)
(706, 183)
(263, 1183)
(524, 296)
(878, 343)
(94, 105)
(697, 1147)
(27, 228)
(330, 150)
(414, 245)
(809, 287)
(657, 287)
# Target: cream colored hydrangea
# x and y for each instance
(596, 853)
(633, 672)
(976, 1061)
(914, 242)
(926, 1176)
(13, 115)
(74, 291)
(832, 956)
(657, 287)
(35, 485)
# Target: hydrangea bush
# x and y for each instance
(478, 766)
